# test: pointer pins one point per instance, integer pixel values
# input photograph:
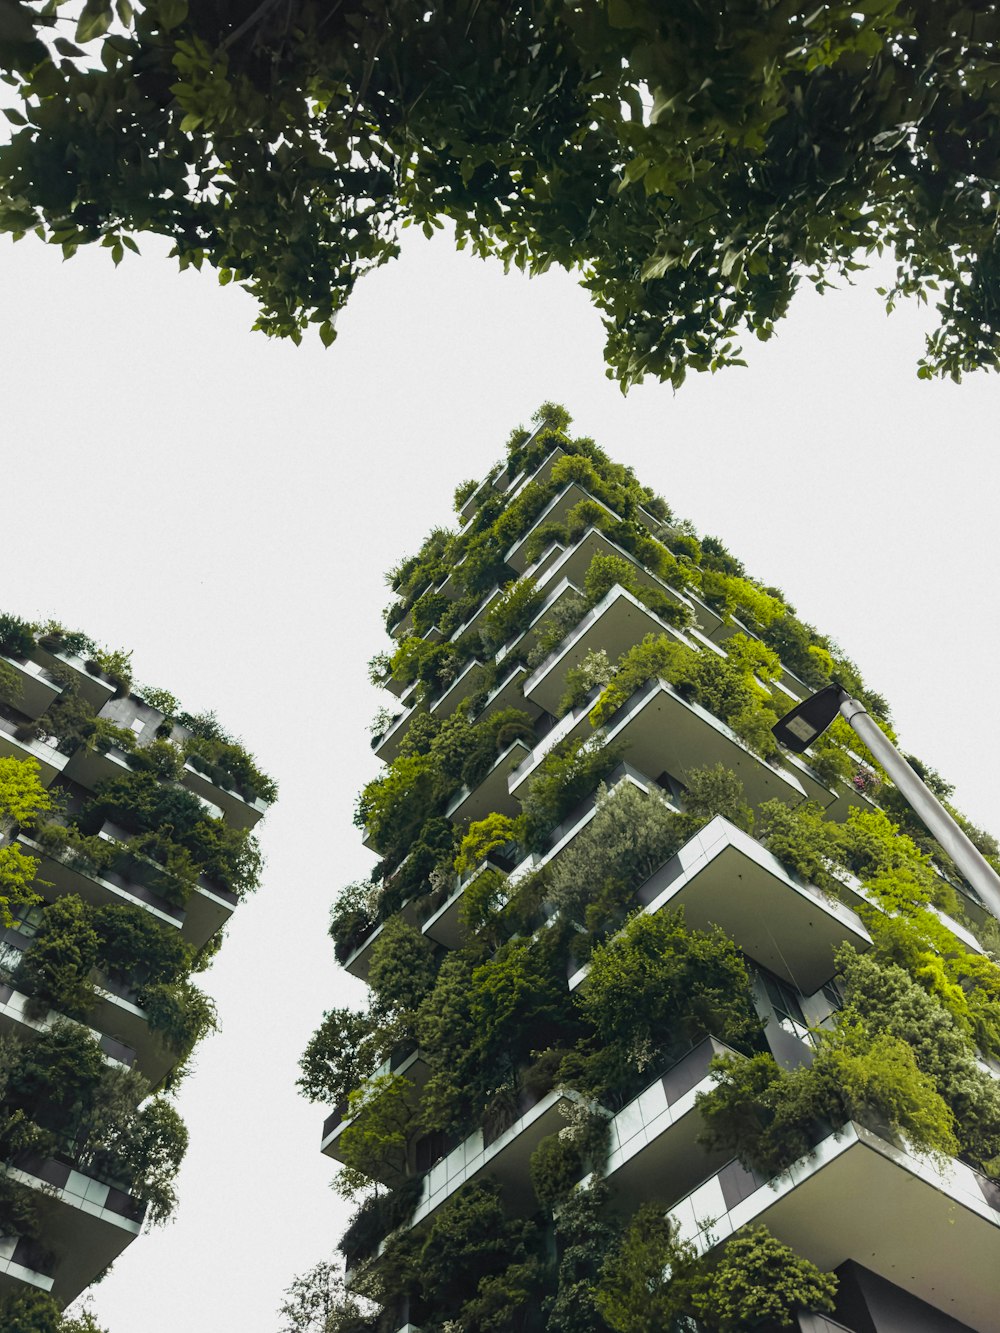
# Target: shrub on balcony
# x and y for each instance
(485, 836)
(511, 613)
(478, 1264)
(229, 765)
(378, 1135)
(10, 684)
(377, 1216)
(717, 791)
(402, 972)
(180, 1012)
(886, 999)
(566, 775)
(55, 970)
(759, 1280)
(342, 1053)
(17, 637)
(655, 989)
(630, 836)
(769, 1116)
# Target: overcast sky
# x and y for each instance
(226, 507)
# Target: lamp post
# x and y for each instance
(808, 720)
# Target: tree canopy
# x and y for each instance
(691, 161)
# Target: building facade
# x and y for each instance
(125, 845)
(666, 1029)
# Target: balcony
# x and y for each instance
(521, 644)
(617, 623)
(464, 684)
(555, 511)
(64, 877)
(965, 941)
(86, 1224)
(409, 1064)
(117, 1016)
(476, 620)
(544, 566)
(24, 1263)
(93, 687)
(574, 563)
(724, 877)
(666, 733)
(509, 694)
(241, 810)
(492, 792)
(506, 1157)
(654, 1151)
(36, 689)
(444, 926)
(540, 476)
(14, 1018)
(934, 1233)
(359, 961)
(89, 766)
(50, 762)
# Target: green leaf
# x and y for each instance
(14, 117)
(327, 332)
(125, 12)
(190, 122)
(94, 21)
(172, 13)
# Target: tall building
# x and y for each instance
(666, 1029)
(125, 845)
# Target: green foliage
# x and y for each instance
(17, 637)
(343, 1051)
(317, 1302)
(479, 1264)
(31, 1312)
(511, 613)
(631, 834)
(116, 666)
(481, 1023)
(759, 1281)
(402, 970)
(564, 777)
(180, 1013)
(132, 944)
(229, 765)
(561, 620)
(717, 791)
(22, 795)
(655, 656)
(645, 1284)
(801, 838)
(485, 836)
(56, 969)
(377, 1216)
(584, 1233)
(656, 988)
(377, 1138)
(886, 999)
(771, 1116)
(10, 684)
(58, 1093)
(674, 283)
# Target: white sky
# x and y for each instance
(226, 507)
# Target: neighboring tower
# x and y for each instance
(664, 1025)
(125, 845)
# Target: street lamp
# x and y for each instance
(808, 720)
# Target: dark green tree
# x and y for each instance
(692, 162)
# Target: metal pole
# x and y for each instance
(969, 860)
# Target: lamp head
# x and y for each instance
(797, 730)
